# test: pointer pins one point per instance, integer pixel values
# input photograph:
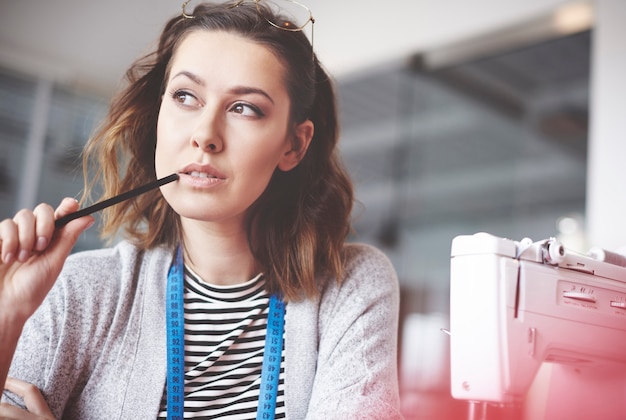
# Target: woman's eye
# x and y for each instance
(184, 98)
(246, 110)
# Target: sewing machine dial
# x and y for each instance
(581, 294)
(606, 301)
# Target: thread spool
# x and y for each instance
(614, 258)
(553, 252)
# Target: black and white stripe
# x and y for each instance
(225, 330)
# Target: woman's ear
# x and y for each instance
(303, 133)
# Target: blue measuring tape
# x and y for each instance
(175, 321)
(272, 355)
(271, 360)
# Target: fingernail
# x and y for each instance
(8, 258)
(23, 255)
(41, 243)
(70, 200)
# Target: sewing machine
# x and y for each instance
(538, 329)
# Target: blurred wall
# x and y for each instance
(606, 196)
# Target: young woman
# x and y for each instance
(234, 294)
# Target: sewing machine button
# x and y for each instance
(585, 297)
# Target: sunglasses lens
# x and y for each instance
(293, 16)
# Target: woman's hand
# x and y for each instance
(36, 406)
(32, 254)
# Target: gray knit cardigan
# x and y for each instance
(97, 346)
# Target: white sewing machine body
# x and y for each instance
(517, 305)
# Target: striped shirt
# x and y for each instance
(225, 330)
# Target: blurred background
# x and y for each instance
(457, 117)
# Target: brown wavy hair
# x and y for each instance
(297, 227)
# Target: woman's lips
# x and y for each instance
(201, 176)
(202, 171)
(198, 179)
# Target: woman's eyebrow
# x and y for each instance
(247, 90)
(193, 77)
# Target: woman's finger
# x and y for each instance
(9, 239)
(10, 412)
(67, 206)
(25, 221)
(44, 227)
(33, 399)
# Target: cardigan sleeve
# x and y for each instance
(96, 346)
(356, 374)
(45, 355)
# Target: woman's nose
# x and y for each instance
(214, 145)
(207, 134)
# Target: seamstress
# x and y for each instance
(252, 235)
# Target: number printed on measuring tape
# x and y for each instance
(271, 359)
(175, 340)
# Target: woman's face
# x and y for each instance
(223, 126)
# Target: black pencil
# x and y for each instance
(62, 221)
